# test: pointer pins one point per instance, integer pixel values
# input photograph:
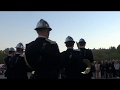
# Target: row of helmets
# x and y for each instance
(70, 39)
(42, 24)
(19, 45)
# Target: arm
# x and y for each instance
(87, 70)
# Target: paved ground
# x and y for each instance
(2, 77)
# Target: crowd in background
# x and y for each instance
(106, 69)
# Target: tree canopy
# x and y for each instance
(98, 54)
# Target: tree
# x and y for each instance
(6, 50)
(118, 49)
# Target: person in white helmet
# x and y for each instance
(6, 60)
(18, 64)
(86, 53)
(42, 54)
(72, 61)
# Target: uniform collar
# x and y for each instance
(17, 53)
(9, 55)
(82, 46)
(41, 36)
(69, 47)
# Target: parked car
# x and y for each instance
(2, 68)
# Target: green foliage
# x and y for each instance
(118, 49)
(2, 56)
(98, 54)
(106, 54)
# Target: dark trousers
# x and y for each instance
(114, 73)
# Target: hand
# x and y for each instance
(87, 70)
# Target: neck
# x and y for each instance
(69, 47)
(42, 33)
(41, 36)
(10, 55)
(17, 53)
(82, 46)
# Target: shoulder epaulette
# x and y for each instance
(52, 42)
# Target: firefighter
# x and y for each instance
(72, 61)
(18, 64)
(6, 60)
(86, 53)
(42, 55)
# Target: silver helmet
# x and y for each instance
(12, 49)
(82, 40)
(69, 39)
(20, 45)
(42, 24)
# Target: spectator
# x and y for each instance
(117, 67)
(97, 68)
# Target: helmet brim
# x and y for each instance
(70, 41)
(43, 28)
(19, 48)
(82, 42)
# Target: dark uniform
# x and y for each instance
(43, 56)
(72, 62)
(12, 64)
(102, 69)
(19, 67)
(87, 54)
(18, 64)
(8, 71)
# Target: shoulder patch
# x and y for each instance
(52, 42)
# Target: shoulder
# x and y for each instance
(29, 43)
(77, 51)
(63, 52)
(88, 49)
(50, 41)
